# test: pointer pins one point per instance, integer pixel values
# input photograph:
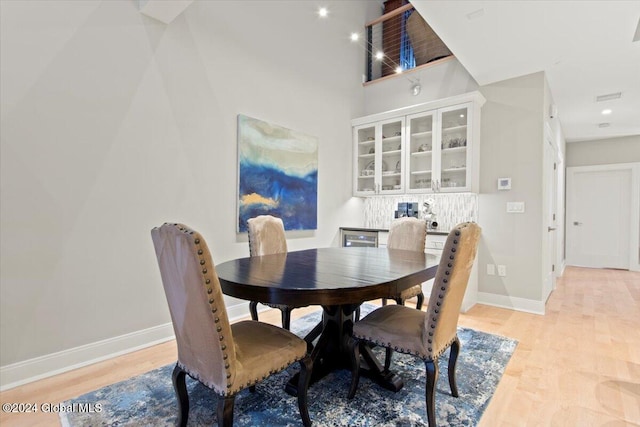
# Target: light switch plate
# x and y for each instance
(491, 269)
(502, 270)
(515, 207)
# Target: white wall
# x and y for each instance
(604, 151)
(512, 146)
(113, 123)
(439, 81)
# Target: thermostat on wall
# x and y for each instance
(504, 183)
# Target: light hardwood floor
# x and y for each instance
(579, 365)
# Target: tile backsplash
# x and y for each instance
(450, 209)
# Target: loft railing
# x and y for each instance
(399, 41)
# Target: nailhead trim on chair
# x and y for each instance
(443, 288)
(407, 351)
(434, 319)
(214, 309)
(231, 390)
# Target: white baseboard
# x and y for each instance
(563, 265)
(27, 371)
(512, 303)
(38, 368)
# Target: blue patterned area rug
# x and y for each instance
(149, 400)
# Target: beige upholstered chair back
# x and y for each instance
(408, 234)
(449, 287)
(266, 236)
(205, 345)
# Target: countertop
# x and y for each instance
(433, 232)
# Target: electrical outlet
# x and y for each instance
(491, 269)
(502, 270)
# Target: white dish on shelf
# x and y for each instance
(371, 166)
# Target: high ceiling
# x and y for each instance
(586, 48)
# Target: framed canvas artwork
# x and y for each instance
(278, 174)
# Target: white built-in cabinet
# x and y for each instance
(380, 157)
(430, 147)
(438, 150)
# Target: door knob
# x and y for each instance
(577, 223)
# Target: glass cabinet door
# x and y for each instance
(392, 161)
(365, 159)
(420, 152)
(455, 156)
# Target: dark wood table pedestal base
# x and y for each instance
(362, 273)
(372, 369)
(331, 352)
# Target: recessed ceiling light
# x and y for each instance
(606, 111)
(355, 37)
(323, 12)
(461, 115)
(379, 55)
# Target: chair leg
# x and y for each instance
(225, 411)
(430, 390)
(420, 301)
(453, 358)
(387, 358)
(354, 347)
(384, 301)
(306, 366)
(253, 308)
(180, 387)
(388, 352)
(357, 314)
(286, 318)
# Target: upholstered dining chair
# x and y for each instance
(408, 234)
(226, 358)
(266, 237)
(425, 335)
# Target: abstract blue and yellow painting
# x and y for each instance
(278, 174)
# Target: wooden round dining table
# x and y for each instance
(337, 278)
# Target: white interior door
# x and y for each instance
(598, 217)
(550, 233)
